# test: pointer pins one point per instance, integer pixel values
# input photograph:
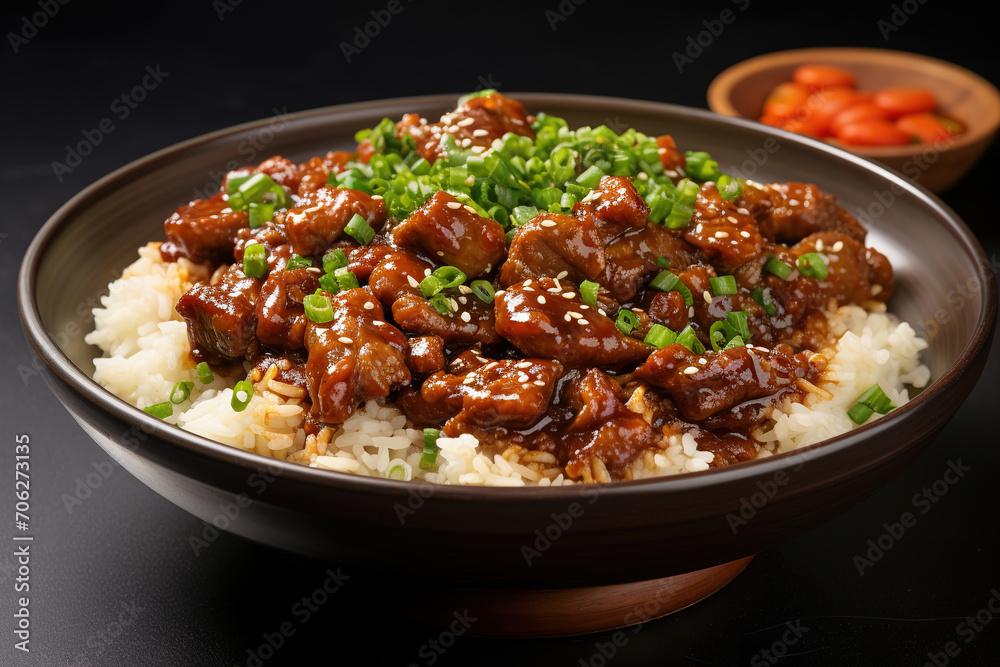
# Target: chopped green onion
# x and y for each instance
(260, 212)
(689, 339)
(859, 413)
(523, 214)
(737, 319)
(626, 321)
(397, 471)
(333, 260)
(717, 335)
(329, 283)
(663, 262)
(659, 336)
(346, 278)
(483, 290)
(812, 266)
(778, 268)
(735, 341)
(450, 276)
(298, 262)
(430, 286)
(763, 297)
(669, 282)
(181, 392)
(588, 292)
(479, 93)
(242, 395)
(441, 303)
(729, 187)
(428, 459)
(318, 308)
(359, 229)
(255, 261)
(871, 401)
(205, 373)
(160, 410)
(723, 285)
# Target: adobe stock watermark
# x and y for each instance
(90, 482)
(958, 297)
(899, 14)
(229, 512)
(967, 630)
(97, 643)
(695, 45)
(32, 23)
(548, 535)
(250, 149)
(767, 489)
(363, 34)
(120, 108)
(563, 11)
(301, 612)
(433, 649)
(922, 501)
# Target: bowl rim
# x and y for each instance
(103, 400)
(718, 93)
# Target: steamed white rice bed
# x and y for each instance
(146, 351)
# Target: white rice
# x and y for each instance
(146, 351)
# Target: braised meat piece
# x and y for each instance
(281, 318)
(355, 356)
(789, 212)
(633, 257)
(728, 237)
(546, 318)
(476, 123)
(554, 244)
(468, 322)
(603, 428)
(425, 355)
(202, 231)
(450, 233)
(320, 217)
(221, 317)
(702, 385)
(855, 274)
(509, 393)
(396, 274)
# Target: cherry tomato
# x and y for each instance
(925, 126)
(859, 111)
(824, 105)
(873, 133)
(901, 101)
(805, 124)
(785, 99)
(823, 76)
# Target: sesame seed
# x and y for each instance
(478, 149)
(601, 311)
(584, 307)
(454, 306)
(378, 323)
(876, 289)
(539, 383)
(500, 292)
(525, 385)
(480, 133)
(466, 317)
(527, 289)
(583, 321)
(523, 364)
(465, 289)
(703, 361)
(793, 202)
(369, 305)
(574, 314)
(471, 180)
(463, 300)
(838, 246)
(470, 209)
(691, 311)
(413, 281)
(466, 122)
(345, 340)
(819, 245)
(745, 234)
(522, 378)
(454, 204)
(440, 253)
(690, 370)
(468, 380)
(569, 295)
(721, 235)
(707, 296)
(732, 218)
(541, 299)
(466, 143)
(378, 197)
(548, 223)
(554, 290)
(562, 274)
(567, 317)
(427, 272)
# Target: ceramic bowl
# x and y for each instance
(522, 539)
(741, 89)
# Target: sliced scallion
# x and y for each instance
(483, 290)
(298, 262)
(160, 410)
(778, 268)
(660, 336)
(763, 297)
(626, 321)
(359, 230)
(260, 212)
(588, 292)
(318, 308)
(205, 373)
(242, 395)
(333, 260)
(441, 303)
(722, 285)
(428, 459)
(665, 281)
(812, 265)
(255, 261)
(181, 392)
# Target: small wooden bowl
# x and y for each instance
(741, 89)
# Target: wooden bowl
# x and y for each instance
(741, 89)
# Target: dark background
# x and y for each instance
(115, 582)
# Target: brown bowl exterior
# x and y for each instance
(741, 89)
(541, 538)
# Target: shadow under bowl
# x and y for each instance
(520, 539)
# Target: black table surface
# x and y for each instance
(114, 580)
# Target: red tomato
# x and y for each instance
(925, 126)
(823, 76)
(824, 105)
(855, 112)
(901, 101)
(785, 99)
(873, 133)
(805, 124)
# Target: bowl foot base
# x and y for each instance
(571, 611)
